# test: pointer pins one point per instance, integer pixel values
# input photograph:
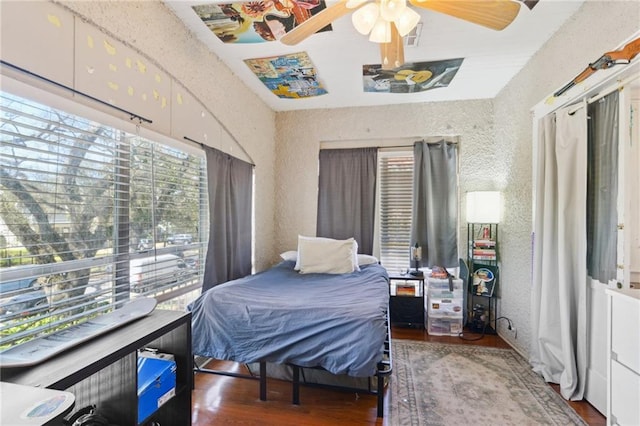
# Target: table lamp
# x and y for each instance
(416, 255)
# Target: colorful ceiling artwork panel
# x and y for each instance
(288, 76)
(411, 77)
(257, 21)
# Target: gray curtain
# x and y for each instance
(346, 195)
(230, 187)
(559, 290)
(602, 189)
(435, 205)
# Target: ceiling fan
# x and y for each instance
(382, 19)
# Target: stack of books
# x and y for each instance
(484, 250)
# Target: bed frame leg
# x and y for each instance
(263, 381)
(296, 385)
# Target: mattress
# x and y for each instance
(333, 321)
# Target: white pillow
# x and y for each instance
(326, 255)
(289, 255)
(365, 259)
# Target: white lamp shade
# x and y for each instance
(365, 18)
(381, 32)
(390, 10)
(484, 207)
(407, 21)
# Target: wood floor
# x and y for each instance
(224, 400)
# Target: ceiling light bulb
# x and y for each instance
(407, 21)
(381, 32)
(392, 9)
(365, 18)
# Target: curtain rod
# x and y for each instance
(77, 92)
(385, 146)
(617, 86)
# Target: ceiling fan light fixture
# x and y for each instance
(390, 10)
(407, 21)
(365, 18)
(381, 31)
(352, 4)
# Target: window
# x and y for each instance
(395, 177)
(90, 216)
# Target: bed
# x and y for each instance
(333, 321)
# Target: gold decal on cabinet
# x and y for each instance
(141, 67)
(54, 20)
(111, 50)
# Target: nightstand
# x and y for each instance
(406, 302)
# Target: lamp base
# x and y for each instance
(417, 273)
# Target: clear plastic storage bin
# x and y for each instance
(444, 306)
(444, 326)
(443, 284)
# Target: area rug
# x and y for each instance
(449, 384)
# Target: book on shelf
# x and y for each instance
(484, 279)
(484, 252)
(485, 243)
(405, 290)
(475, 257)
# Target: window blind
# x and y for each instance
(90, 217)
(396, 196)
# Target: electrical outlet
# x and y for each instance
(513, 331)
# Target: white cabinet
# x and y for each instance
(623, 383)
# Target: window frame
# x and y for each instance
(70, 106)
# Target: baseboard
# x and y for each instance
(518, 350)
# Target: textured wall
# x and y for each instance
(155, 31)
(496, 144)
(300, 134)
(596, 28)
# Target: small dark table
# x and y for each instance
(407, 310)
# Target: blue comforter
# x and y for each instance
(336, 322)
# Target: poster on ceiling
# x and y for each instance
(411, 77)
(288, 76)
(257, 21)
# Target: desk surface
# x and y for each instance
(29, 406)
(73, 365)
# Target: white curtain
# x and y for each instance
(559, 294)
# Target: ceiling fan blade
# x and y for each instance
(494, 14)
(392, 53)
(316, 22)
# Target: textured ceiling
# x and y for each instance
(491, 58)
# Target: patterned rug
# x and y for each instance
(448, 384)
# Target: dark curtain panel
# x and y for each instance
(346, 195)
(230, 191)
(435, 203)
(602, 188)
